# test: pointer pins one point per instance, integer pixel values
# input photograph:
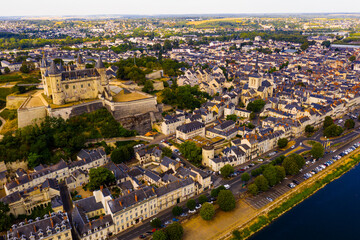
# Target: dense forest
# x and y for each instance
(57, 138)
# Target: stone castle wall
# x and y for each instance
(29, 116)
(14, 102)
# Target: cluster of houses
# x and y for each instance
(155, 184)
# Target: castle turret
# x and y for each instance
(102, 71)
(54, 81)
(208, 153)
(80, 63)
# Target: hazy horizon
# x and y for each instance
(171, 7)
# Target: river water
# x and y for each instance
(332, 213)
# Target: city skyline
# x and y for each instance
(162, 7)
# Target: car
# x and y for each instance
(175, 220)
(260, 160)
(211, 202)
(192, 211)
(183, 215)
(227, 186)
(291, 185)
(295, 182)
(198, 206)
(293, 146)
(269, 199)
(241, 170)
(149, 232)
(142, 236)
(168, 222)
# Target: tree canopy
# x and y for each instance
(207, 211)
(333, 131)
(256, 105)
(293, 163)
(226, 200)
(317, 150)
(191, 152)
(282, 142)
(226, 170)
(262, 183)
(100, 176)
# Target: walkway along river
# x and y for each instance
(332, 213)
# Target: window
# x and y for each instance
(74, 87)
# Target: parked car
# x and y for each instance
(183, 215)
(192, 211)
(227, 186)
(142, 236)
(269, 199)
(175, 220)
(198, 206)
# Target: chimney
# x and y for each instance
(52, 223)
(101, 217)
(10, 229)
(17, 181)
(26, 220)
(34, 228)
(84, 160)
(90, 223)
(18, 234)
(120, 203)
(136, 199)
(101, 188)
(128, 190)
(153, 189)
(65, 217)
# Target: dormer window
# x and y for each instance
(107, 224)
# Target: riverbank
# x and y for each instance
(295, 197)
(254, 220)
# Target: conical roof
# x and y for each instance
(99, 63)
(43, 62)
(53, 69)
(61, 68)
(80, 60)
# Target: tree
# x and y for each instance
(203, 199)
(309, 129)
(177, 211)
(262, 183)
(7, 70)
(317, 150)
(33, 160)
(193, 153)
(156, 223)
(256, 105)
(352, 58)
(191, 204)
(122, 154)
(349, 123)
(280, 173)
(270, 174)
(305, 45)
(333, 131)
(174, 231)
(166, 152)
(215, 192)
(293, 163)
(226, 200)
(100, 176)
(231, 117)
(245, 177)
(159, 235)
(252, 116)
(282, 142)
(24, 68)
(253, 189)
(326, 44)
(207, 211)
(328, 122)
(148, 86)
(5, 219)
(226, 170)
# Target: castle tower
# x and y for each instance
(43, 66)
(80, 63)
(104, 82)
(54, 82)
(208, 153)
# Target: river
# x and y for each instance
(332, 213)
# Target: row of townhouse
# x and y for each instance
(87, 159)
(135, 207)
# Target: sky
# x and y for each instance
(155, 7)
